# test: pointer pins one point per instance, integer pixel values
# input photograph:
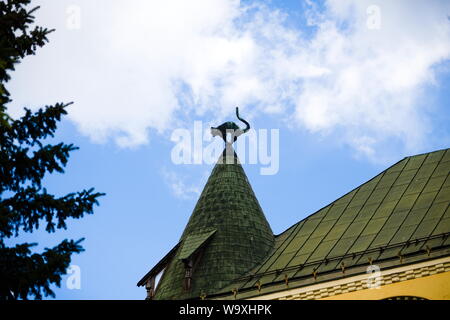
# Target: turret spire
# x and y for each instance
(227, 236)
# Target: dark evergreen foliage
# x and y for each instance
(25, 158)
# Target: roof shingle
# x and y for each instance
(402, 211)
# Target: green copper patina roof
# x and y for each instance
(242, 240)
(400, 216)
(194, 242)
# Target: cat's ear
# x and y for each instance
(216, 132)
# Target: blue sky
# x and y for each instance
(351, 87)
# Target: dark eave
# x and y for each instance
(159, 266)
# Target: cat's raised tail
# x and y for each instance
(246, 123)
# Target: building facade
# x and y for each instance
(386, 239)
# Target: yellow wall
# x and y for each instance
(435, 287)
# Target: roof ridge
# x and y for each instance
(423, 153)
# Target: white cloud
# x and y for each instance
(180, 189)
(375, 76)
(143, 65)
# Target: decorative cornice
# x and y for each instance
(360, 282)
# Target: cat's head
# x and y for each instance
(216, 132)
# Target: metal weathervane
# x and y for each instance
(231, 128)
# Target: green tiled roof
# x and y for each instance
(242, 240)
(193, 242)
(401, 215)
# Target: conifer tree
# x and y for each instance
(25, 159)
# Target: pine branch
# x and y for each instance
(28, 207)
(25, 158)
(24, 274)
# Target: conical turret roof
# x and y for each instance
(227, 230)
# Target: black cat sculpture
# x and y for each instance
(230, 127)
